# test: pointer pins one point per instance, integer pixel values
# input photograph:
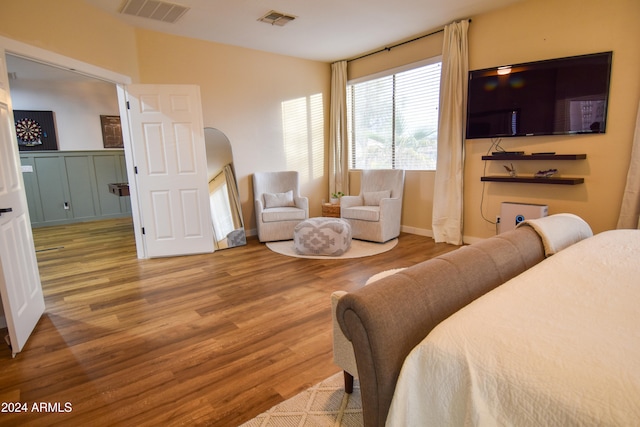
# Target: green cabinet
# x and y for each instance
(71, 186)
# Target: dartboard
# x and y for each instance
(28, 131)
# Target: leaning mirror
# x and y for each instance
(226, 213)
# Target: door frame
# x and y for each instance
(47, 57)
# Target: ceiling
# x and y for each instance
(324, 30)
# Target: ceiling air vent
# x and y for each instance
(153, 9)
(277, 18)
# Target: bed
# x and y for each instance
(558, 344)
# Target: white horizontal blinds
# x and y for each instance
(416, 118)
(372, 124)
(393, 120)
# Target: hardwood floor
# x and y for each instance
(200, 340)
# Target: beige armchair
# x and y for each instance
(278, 205)
(375, 213)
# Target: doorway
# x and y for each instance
(70, 67)
(151, 94)
(68, 160)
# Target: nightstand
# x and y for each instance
(330, 210)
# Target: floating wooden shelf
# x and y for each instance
(535, 157)
(534, 180)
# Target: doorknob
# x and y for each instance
(5, 210)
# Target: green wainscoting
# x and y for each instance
(72, 186)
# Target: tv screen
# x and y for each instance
(554, 97)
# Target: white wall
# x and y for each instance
(77, 107)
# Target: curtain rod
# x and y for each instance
(387, 49)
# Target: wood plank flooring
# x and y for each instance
(200, 340)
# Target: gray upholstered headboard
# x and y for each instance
(387, 319)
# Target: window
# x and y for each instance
(393, 119)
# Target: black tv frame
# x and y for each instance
(499, 120)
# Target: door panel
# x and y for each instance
(54, 192)
(169, 154)
(161, 205)
(186, 149)
(106, 172)
(81, 189)
(20, 287)
(31, 189)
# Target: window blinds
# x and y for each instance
(393, 120)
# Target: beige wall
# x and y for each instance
(528, 31)
(543, 29)
(97, 38)
(274, 108)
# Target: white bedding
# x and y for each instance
(558, 345)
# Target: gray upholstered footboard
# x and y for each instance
(388, 318)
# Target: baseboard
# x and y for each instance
(416, 230)
(469, 240)
(429, 233)
(404, 229)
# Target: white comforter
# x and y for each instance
(558, 345)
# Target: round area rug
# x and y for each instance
(358, 249)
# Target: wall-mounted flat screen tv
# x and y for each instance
(554, 97)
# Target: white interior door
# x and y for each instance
(20, 286)
(167, 141)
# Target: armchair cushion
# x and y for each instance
(373, 198)
(278, 200)
(283, 214)
(349, 201)
(362, 213)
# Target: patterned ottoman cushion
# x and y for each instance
(322, 236)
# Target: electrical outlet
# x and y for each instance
(497, 219)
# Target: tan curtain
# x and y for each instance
(630, 209)
(448, 191)
(338, 145)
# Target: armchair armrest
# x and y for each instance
(350, 201)
(259, 207)
(302, 203)
(389, 207)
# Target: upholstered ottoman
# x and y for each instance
(322, 236)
